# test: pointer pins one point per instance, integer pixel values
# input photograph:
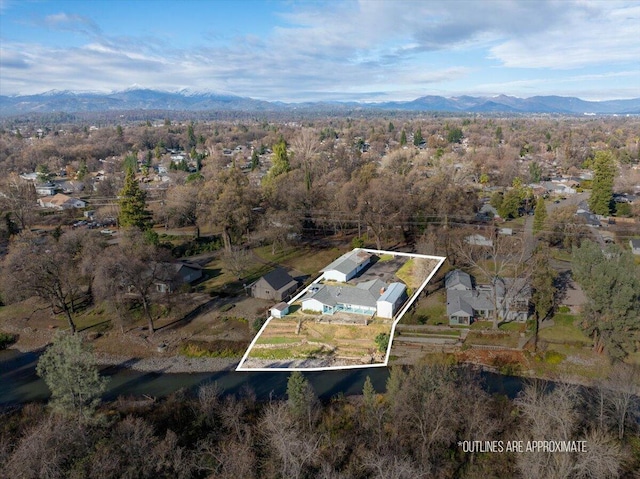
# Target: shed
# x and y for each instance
(280, 310)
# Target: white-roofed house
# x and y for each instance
(347, 266)
(61, 202)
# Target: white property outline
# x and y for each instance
(402, 312)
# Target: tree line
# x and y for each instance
(413, 429)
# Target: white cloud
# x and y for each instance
(352, 47)
(595, 34)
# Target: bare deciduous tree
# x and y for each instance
(503, 262)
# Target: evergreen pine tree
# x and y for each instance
(539, 216)
(403, 138)
(69, 369)
(417, 137)
(133, 204)
(604, 172)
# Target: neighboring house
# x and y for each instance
(276, 285)
(347, 266)
(177, 274)
(70, 186)
(558, 188)
(487, 212)
(46, 189)
(458, 280)
(466, 303)
(29, 176)
(479, 240)
(368, 298)
(61, 202)
(635, 246)
(589, 218)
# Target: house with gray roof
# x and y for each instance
(467, 303)
(635, 246)
(276, 285)
(347, 266)
(368, 298)
(458, 280)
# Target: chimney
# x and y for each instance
(382, 290)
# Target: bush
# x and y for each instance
(382, 341)
(217, 349)
(506, 366)
(357, 242)
(198, 246)
(553, 357)
(227, 307)
(6, 340)
(258, 323)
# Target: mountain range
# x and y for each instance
(185, 100)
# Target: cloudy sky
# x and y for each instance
(366, 50)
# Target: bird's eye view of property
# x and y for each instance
(320, 239)
(346, 317)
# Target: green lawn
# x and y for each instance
(306, 260)
(513, 326)
(431, 310)
(564, 330)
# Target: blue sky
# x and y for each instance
(367, 50)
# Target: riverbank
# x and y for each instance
(169, 364)
(157, 364)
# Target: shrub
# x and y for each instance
(357, 242)
(382, 341)
(7, 339)
(226, 307)
(553, 357)
(258, 323)
(218, 349)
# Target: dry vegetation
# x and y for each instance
(330, 182)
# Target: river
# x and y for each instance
(20, 384)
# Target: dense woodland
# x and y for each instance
(411, 431)
(328, 178)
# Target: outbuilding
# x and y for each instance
(391, 300)
(280, 310)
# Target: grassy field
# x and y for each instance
(316, 339)
(306, 260)
(430, 310)
(415, 271)
(564, 330)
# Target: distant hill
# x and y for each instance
(185, 100)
